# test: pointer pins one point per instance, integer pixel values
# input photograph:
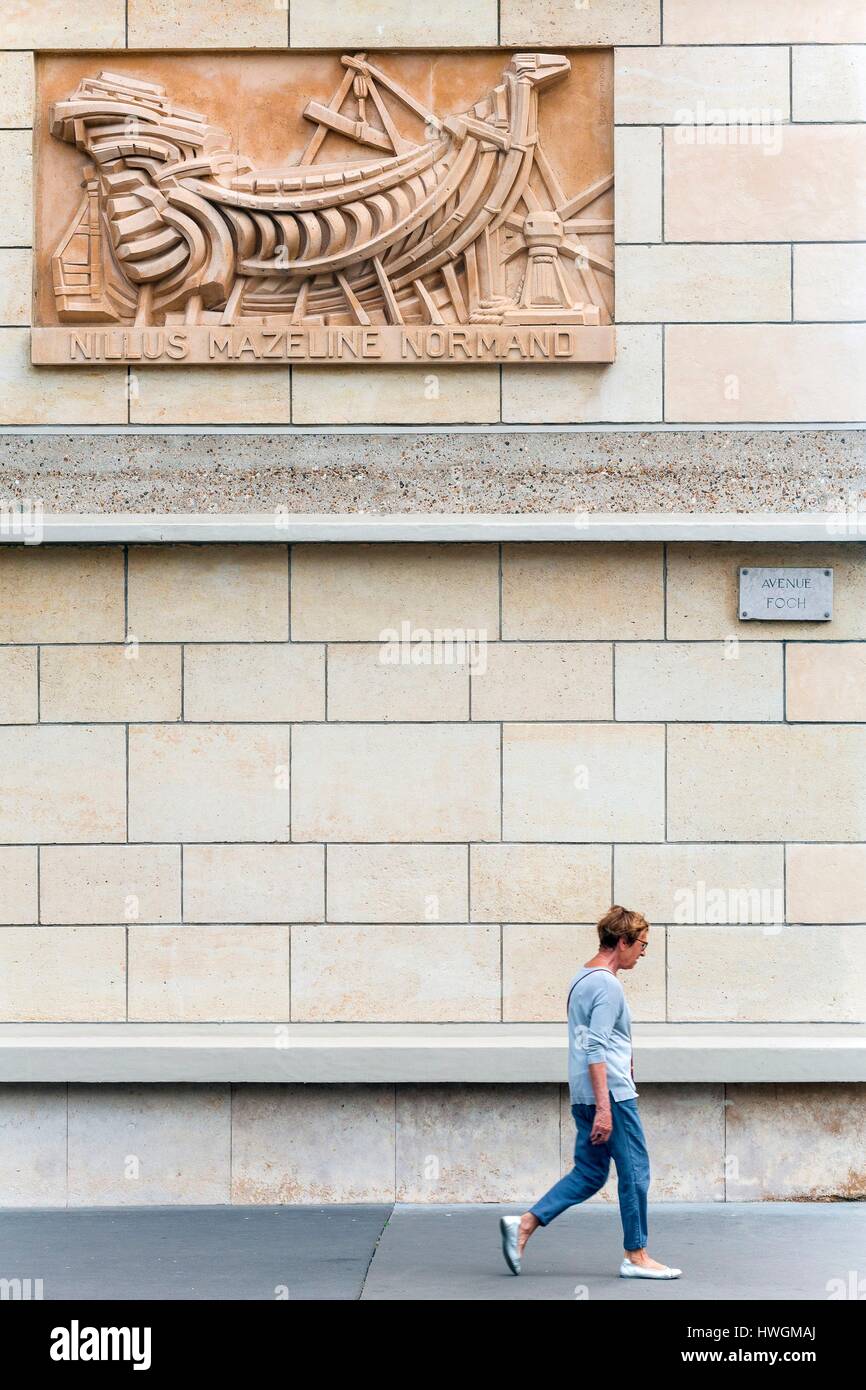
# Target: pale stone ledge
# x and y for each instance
(299, 527)
(406, 1052)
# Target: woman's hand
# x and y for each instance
(602, 1127)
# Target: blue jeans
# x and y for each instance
(627, 1147)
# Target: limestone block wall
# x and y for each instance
(740, 216)
(243, 783)
(222, 798)
(219, 802)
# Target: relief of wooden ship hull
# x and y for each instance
(469, 224)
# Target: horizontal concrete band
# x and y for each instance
(374, 1052)
(403, 472)
(317, 527)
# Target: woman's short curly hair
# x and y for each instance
(619, 924)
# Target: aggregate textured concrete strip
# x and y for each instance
(419, 472)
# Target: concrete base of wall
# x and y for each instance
(142, 1145)
(421, 471)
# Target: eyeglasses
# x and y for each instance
(644, 941)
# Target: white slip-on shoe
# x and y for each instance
(629, 1271)
(509, 1226)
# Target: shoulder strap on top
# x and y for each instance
(580, 977)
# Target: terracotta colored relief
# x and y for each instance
(399, 233)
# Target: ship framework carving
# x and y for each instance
(467, 224)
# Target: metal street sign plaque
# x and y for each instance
(787, 594)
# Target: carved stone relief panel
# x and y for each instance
(354, 207)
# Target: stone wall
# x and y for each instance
(217, 802)
(128, 1145)
(237, 785)
(740, 217)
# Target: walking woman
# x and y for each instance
(603, 1102)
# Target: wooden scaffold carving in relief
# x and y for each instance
(457, 242)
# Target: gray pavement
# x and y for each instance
(730, 1250)
(302, 1252)
(733, 1250)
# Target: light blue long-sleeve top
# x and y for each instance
(599, 1030)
